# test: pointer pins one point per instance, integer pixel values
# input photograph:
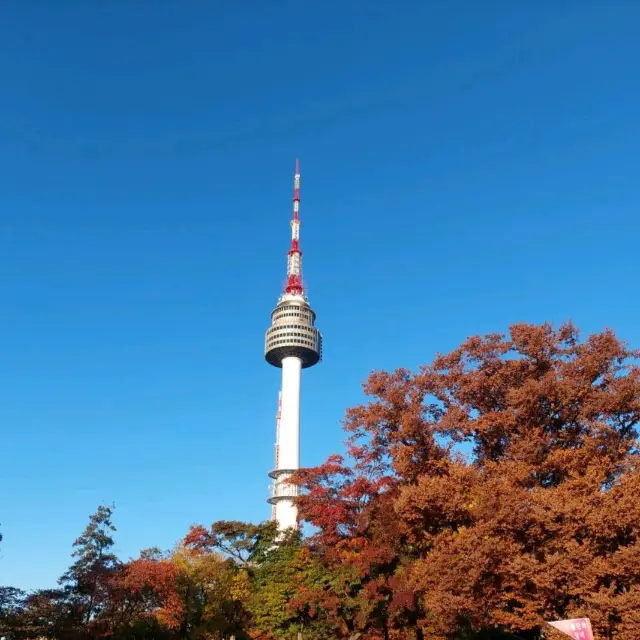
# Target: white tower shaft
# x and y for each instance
(288, 445)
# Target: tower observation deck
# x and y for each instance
(292, 343)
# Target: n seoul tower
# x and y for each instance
(292, 343)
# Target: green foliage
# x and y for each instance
(246, 544)
(272, 587)
(92, 549)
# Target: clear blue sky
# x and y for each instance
(465, 165)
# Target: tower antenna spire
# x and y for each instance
(294, 284)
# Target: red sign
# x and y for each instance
(577, 628)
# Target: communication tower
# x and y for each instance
(292, 343)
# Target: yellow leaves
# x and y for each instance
(200, 566)
(215, 588)
(240, 586)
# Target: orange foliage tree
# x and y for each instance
(488, 492)
(491, 490)
(145, 589)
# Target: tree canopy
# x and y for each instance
(487, 492)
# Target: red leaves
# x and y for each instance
(198, 539)
(542, 522)
(495, 488)
(153, 585)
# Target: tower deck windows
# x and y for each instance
(292, 333)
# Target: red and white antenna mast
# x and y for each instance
(294, 257)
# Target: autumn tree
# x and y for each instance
(361, 546)
(11, 610)
(492, 489)
(86, 582)
(46, 613)
(481, 495)
(247, 544)
(144, 599)
(230, 552)
(277, 601)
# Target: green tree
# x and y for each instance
(247, 544)
(222, 562)
(273, 585)
(283, 593)
(254, 593)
